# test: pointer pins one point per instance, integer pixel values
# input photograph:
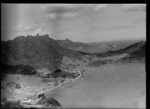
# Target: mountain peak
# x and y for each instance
(68, 40)
(45, 36)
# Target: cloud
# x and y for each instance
(98, 7)
(64, 15)
(60, 10)
(115, 27)
(26, 28)
(46, 7)
(68, 10)
(134, 7)
(140, 20)
(22, 27)
(39, 31)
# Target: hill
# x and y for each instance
(136, 49)
(101, 47)
(37, 51)
(72, 45)
(130, 54)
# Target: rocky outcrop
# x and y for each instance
(47, 102)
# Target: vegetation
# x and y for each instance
(17, 69)
(62, 74)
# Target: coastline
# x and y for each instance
(31, 101)
(60, 83)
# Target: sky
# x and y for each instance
(77, 22)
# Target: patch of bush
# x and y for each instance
(18, 69)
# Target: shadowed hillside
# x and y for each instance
(37, 51)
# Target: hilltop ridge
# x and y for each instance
(38, 51)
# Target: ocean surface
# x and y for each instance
(108, 86)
